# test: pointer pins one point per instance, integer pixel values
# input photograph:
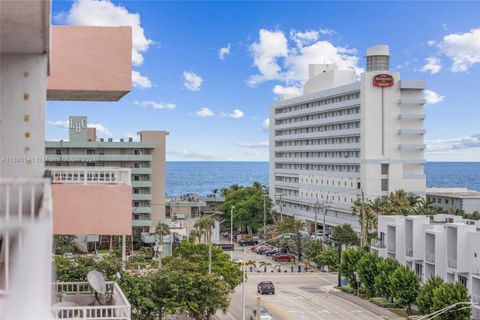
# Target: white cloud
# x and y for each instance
(105, 13)
(432, 65)
(205, 112)
(155, 105)
(270, 46)
(192, 155)
(253, 145)
(266, 124)
(441, 145)
(431, 42)
(236, 114)
(462, 48)
(140, 81)
(192, 81)
(223, 52)
(101, 129)
(289, 92)
(432, 97)
(277, 59)
(303, 38)
(60, 123)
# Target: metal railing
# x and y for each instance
(23, 201)
(377, 243)
(409, 252)
(430, 257)
(74, 292)
(391, 247)
(452, 263)
(91, 175)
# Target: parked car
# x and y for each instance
(237, 260)
(282, 257)
(271, 251)
(68, 255)
(264, 314)
(262, 249)
(247, 242)
(266, 287)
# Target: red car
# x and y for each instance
(283, 257)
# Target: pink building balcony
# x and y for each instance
(91, 200)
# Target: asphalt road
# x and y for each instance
(298, 296)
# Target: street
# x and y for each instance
(299, 296)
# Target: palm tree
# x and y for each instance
(424, 207)
(378, 206)
(366, 218)
(195, 234)
(162, 230)
(205, 224)
(413, 199)
(252, 264)
(399, 203)
(264, 265)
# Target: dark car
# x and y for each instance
(271, 251)
(262, 249)
(247, 242)
(282, 257)
(266, 287)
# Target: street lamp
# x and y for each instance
(231, 229)
(264, 217)
(325, 205)
(317, 205)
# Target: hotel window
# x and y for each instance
(384, 168)
(58, 151)
(384, 184)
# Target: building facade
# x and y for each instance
(344, 139)
(144, 158)
(454, 198)
(441, 245)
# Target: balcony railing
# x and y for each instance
(25, 202)
(377, 243)
(476, 299)
(430, 257)
(409, 252)
(452, 263)
(91, 175)
(392, 247)
(81, 299)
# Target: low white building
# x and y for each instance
(454, 198)
(441, 245)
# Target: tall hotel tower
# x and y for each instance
(345, 139)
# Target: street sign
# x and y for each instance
(225, 246)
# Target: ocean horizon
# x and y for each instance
(201, 177)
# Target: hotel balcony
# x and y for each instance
(411, 146)
(412, 101)
(430, 257)
(452, 263)
(377, 243)
(77, 300)
(411, 131)
(90, 175)
(409, 252)
(411, 116)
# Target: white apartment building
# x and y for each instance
(441, 245)
(344, 137)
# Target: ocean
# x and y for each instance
(201, 177)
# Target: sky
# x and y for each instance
(207, 72)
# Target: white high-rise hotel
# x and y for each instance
(343, 137)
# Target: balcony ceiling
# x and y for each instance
(24, 26)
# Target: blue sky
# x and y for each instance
(215, 109)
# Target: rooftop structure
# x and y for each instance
(441, 245)
(345, 139)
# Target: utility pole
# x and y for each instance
(339, 275)
(317, 205)
(299, 250)
(281, 208)
(325, 206)
(264, 218)
(243, 286)
(258, 314)
(210, 258)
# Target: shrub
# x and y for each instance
(382, 283)
(367, 268)
(328, 257)
(450, 293)
(405, 285)
(350, 258)
(425, 295)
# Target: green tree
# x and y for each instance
(345, 234)
(139, 292)
(312, 248)
(405, 286)
(378, 207)
(288, 225)
(450, 293)
(328, 257)
(399, 203)
(383, 286)
(205, 225)
(424, 207)
(367, 269)
(425, 295)
(76, 269)
(64, 244)
(366, 218)
(248, 203)
(221, 263)
(348, 264)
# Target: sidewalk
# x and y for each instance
(379, 311)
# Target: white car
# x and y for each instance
(237, 260)
(264, 314)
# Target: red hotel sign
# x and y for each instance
(383, 80)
